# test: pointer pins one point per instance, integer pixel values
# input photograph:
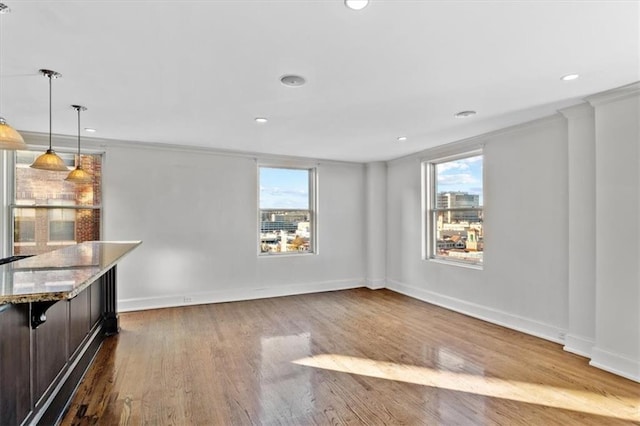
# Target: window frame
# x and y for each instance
(431, 211)
(313, 208)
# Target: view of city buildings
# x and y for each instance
(285, 231)
(286, 221)
(459, 232)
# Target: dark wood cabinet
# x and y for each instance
(41, 367)
(15, 364)
(55, 311)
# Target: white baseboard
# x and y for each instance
(578, 345)
(515, 322)
(233, 295)
(616, 364)
(375, 283)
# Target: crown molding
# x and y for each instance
(616, 94)
(97, 145)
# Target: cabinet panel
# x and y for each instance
(51, 347)
(15, 388)
(96, 302)
(79, 318)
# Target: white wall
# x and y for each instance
(617, 135)
(580, 336)
(196, 213)
(524, 281)
(376, 224)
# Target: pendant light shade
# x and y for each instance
(50, 160)
(9, 137)
(79, 175)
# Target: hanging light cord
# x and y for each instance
(78, 136)
(50, 113)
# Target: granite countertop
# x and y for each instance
(60, 274)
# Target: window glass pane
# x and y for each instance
(42, 229)
(46, 187)
(457, 218)
(286, 217)
(284, 188)
(459, 183)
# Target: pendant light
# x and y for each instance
(79, 175)
(9, 137)
(50, 160)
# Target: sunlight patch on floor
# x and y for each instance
(616, 406)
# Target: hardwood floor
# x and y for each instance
(348, 357)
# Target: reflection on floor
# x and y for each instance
(348, 357)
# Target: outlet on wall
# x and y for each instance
(187, 299)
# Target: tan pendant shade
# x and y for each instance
(50, 160)
(9, 137)
(78, 175)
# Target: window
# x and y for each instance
(286, 210)
(455, 214)
(48, 211)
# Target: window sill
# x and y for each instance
(286, 254)
(456, 263)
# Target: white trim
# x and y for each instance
(494, 316)
(234, 295)
(577, 111)
(476, 142)
(616, 364)
(375, 283)
(578, 345)
(613, 95)
(98, 145)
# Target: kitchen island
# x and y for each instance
(55, 309)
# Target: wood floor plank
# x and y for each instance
(340, 358)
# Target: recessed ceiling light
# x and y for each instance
(402, 138)
(569, 77)
(89, 130)
(292, 80)
(261, 120)
(464, 114)
(356, 4)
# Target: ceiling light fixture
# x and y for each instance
(50, 160)
(90, 130)
(402, 138)
(569, 77)
(9, 137)
(261, 120)
(356, 4)
(464, 114)
(79, 175)
(292, 80)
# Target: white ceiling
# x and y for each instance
(198, 72)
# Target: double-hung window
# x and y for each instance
(48, 212)
(287, 213)
(455, 214)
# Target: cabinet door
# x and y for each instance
(51, 347)
(15, 387)
(79, 320)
